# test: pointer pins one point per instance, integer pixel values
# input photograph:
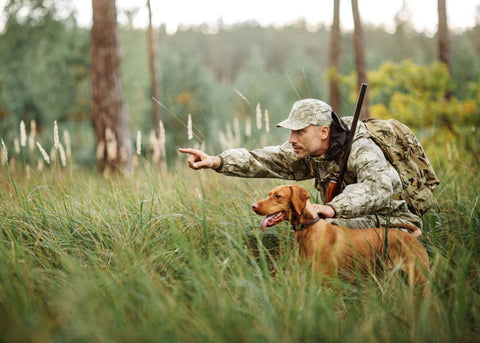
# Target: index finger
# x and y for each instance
(188, 151)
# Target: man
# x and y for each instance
(371, 196)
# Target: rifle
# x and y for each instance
(335, 184)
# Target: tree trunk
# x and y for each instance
(114, 147)
(153, 73)
(443, 36)
(359, 55)
(476, 29)
(444, 40)
(335, 58)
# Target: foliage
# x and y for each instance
(43, 68)
(417, 96)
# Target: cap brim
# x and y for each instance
(292, 124)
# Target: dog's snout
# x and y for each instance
(255, 206)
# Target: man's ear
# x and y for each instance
(324, 132)
(299, 198)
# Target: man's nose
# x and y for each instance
(292, 138)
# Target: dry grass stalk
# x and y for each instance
(16, 145)
(236, 129)
(23, 134)
(63, 157)
(162, 139)
(56, 140)
(259, 116)
(267, 121)
(32, 136)
(4, 155)
(28, 171)
(68, 145)
(139, 143)
(44, 153)
(154, 144)
(248, 127)
(189, 128)
(40, 165)
(53, 154)
(242, 96)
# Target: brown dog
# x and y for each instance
(334, 249)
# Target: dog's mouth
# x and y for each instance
(272, 220)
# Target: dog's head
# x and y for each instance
(283, 203)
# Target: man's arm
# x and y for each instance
(376, 182)
(279, 162)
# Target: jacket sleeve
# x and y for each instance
(278, 162)
(375, 182)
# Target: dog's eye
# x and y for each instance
(277, 196)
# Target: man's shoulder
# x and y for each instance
(361, 131)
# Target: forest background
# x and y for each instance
(171, 254)
(223, 79)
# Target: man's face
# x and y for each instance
(312, 140)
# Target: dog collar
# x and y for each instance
(304, 226)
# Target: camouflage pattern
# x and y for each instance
(308, 112)
(372, 187)
(405, 153)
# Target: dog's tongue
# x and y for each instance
(264, 223)
(270, 220)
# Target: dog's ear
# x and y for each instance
(299, 198)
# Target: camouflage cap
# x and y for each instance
(308, 112)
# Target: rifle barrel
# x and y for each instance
(353, 128)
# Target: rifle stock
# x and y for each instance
(335, 184)
(333, 190)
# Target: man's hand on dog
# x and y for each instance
(325, 211)
(200, 160)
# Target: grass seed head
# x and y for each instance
(23, 134)
(161, 139)
(259, 116)
(189, 128)
(4, 156)
(242, 96)
(248, 127)
(154, 144)
(32, 136)
(43, 152)
(267, 122)
(56, 141)
(63, 156)
(68, 144)
(139, 143)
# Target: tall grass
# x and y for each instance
(179, 257)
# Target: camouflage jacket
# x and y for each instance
(371, 184)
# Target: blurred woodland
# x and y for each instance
(224, 76)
